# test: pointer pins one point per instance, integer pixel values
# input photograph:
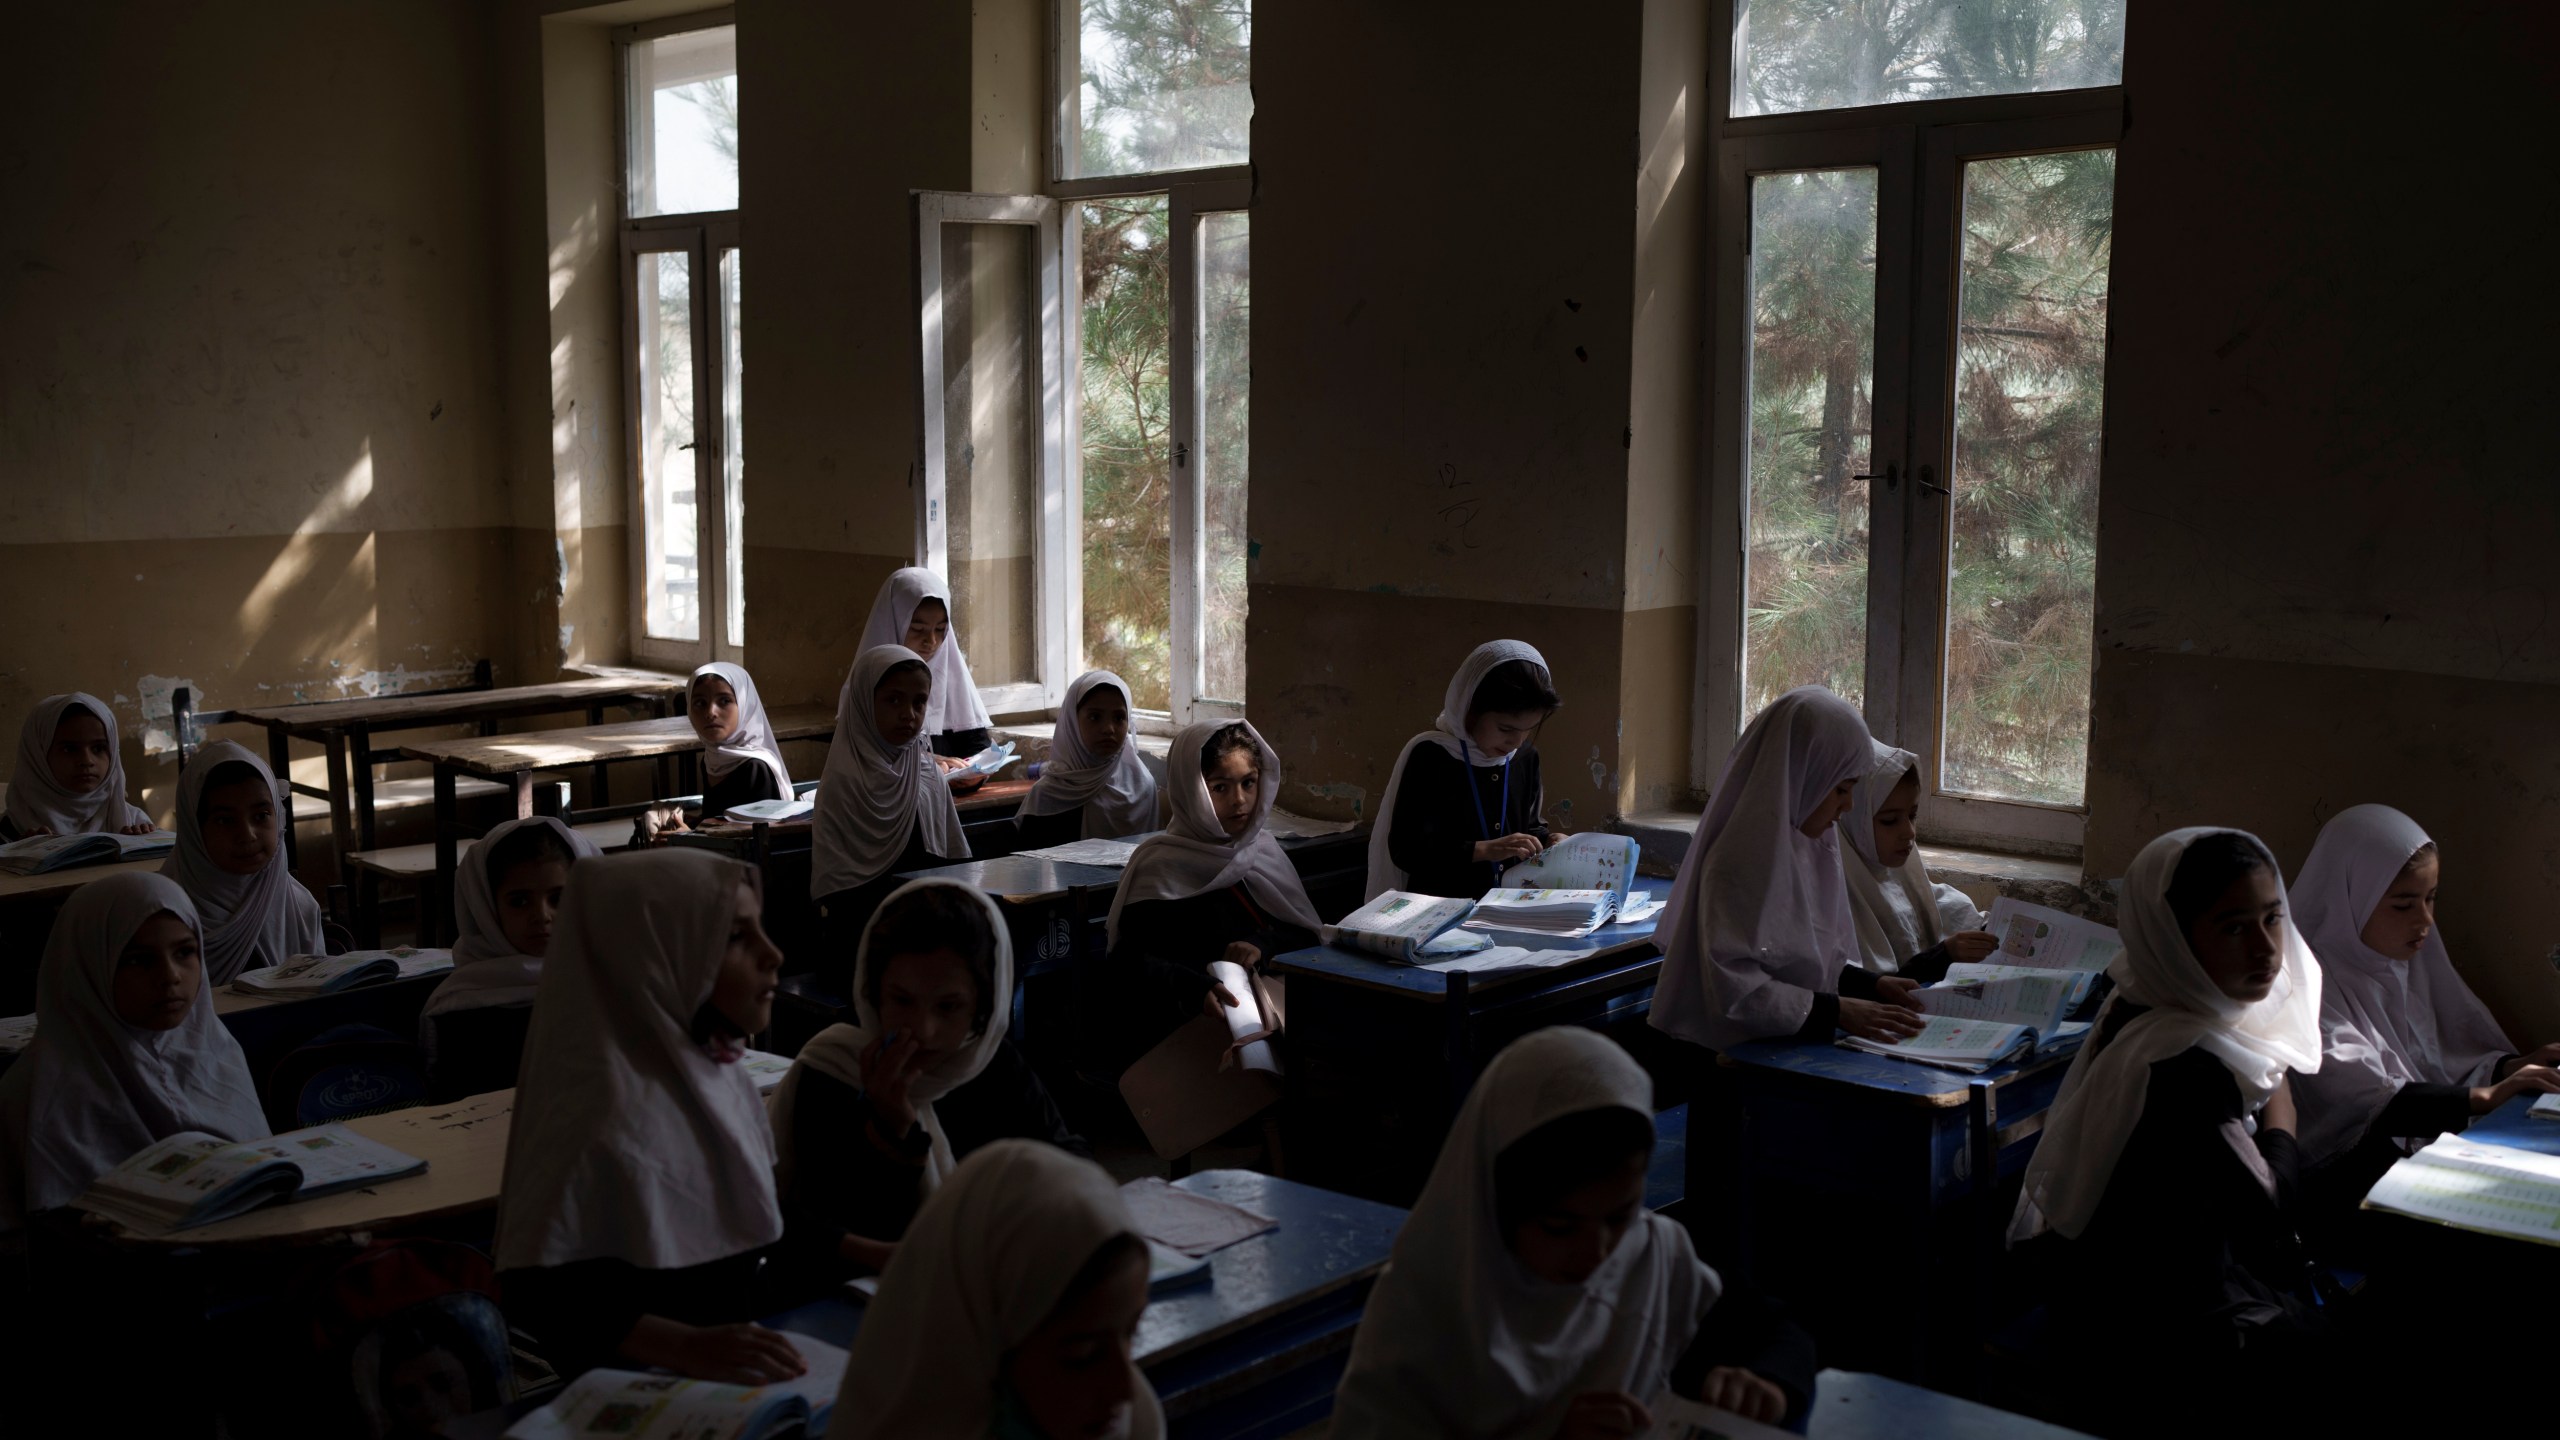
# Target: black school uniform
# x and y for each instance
(477, 1050)
(1158, 973)
(580, 1312)
(1445, 805)
(745, 785)
(1038, 832)
(961, 744)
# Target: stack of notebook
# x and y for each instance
(1566, 913)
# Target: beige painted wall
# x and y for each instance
(2327, 528)
(250, 432)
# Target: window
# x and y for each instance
(684, 376)
(1911, 337)
(1126, 291)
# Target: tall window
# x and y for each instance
(683, 376)
(1111, 425)
(1915, 207)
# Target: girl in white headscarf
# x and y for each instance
(1907, 923)
(874, 1116)
(70, 775)
(1757, 939)
(127, 1049)
(1464, 799)
(1213, 886)
(2407, 1051)
(1533, 1295)
(881, 808)
(914, 610)
(1095, 784)
(638, 1196)
(741, 759)
(507, 893)
(230, 860)
(2168, 1163)
(1009, 1311)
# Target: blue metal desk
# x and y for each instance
(1852, 1406)
(2510, 1126)
(1257, 1351)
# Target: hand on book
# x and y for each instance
(1730, 1387)
(950, 763)
(2528, 1079)
(2539, 1055)
(1509, 848)
(1878, 1020)
(743, 1354)
(963, 784)
(1604, 1415)
(1971, 947)
(1219, 1000)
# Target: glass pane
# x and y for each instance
(1162, 85)
(669, 526)
(733, 454)
(684, 122)
(1226, 384)
(1813, 304)
(1833, 54)
(2031, 345)
(1128, 480)
(991, 444)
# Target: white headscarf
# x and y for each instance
(248, 921)
(1459, 1338)
(988, 1257)
(1193, 856)
(36, 802)
(1758, 922)
(2384, 1023)
(955, 695)
(837, 1050)
(1898, 911)
(487, 970)
(2102, 1096)
(1116, 791)
(631, 1142)
(92, 1091)
(874, 795)
(752, 742)
(1449, 732)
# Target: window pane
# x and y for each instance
(1128, 482)
(1833, 54)
(684, 122)
(2031, 342)
(1813, 299)
(669, 526)
(733, 455)
(991, 444)
(1161, 85)
(1226, 371)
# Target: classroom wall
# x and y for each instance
(251, 433)
(2327, 527)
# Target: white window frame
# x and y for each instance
(1918, 151)
(703, 236)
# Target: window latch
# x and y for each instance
(1181, 455)
(1892, 476)
(1929, 485)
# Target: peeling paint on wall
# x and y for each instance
(156, 711)
(1337, 799)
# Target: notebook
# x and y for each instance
(1399, 924)
(1565, 914)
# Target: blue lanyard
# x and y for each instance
(1503, 814)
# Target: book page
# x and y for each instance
(334, 1157)
(1248, 1031)
(2472, 1186)
(1101, 854)
(637, 1405)
(306, 973)
(2544, 1107)
(1944, 1037)
(1677, 1417)
(2036, 1000)
(2047, 939)
(1592, 860)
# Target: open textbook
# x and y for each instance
(774, 811)
(2471, 1186)
(2544, 1107)
(1399, 924)
(2043, 938)
(1104, 854)
(1593, 860)
(635, 1405)
(1677, 1417)
(1976, 1023)
(43, 854)
(192, 1178)
(1565, 914)
(328, 974)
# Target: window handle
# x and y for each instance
(1892, 476)
(1930, 485)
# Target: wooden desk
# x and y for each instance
(464, 1145)
(1911, 1157)
(1258, 1350)
(269, 1029)
(1852, 1406)
(1048, 906)
(513, 759)
(27, 907)
(60, 884)
(344, 730)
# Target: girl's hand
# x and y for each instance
(949, 763)
(2541, 1055)
(743, 1354)
(2279, 1114)
(1508, 848)
(33, 831)
(1878, 1021)
(1604, 1415)
(1242, 953)
(1730, 1387)
(1898, 990)
(138, 827)
(1218, 1002)
(2531, 1079)
(863, 1250)
(888, 1067)
(1970, 947)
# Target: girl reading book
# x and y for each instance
(70, 775)
(874, 1116)
(638, 1199)
(881, 807)
(1907, 923)
(1464, 799)
(1009, 1311)
(1533, 1295)
(127, 1049)
(914, 610)
(1095, 785)
(230, 860)
(507, 894)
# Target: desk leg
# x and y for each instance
(280, 760)
(1453, 1042)
(447, 820)
(360, 759)
(522, 780)
(599, 789)
(341, 822)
